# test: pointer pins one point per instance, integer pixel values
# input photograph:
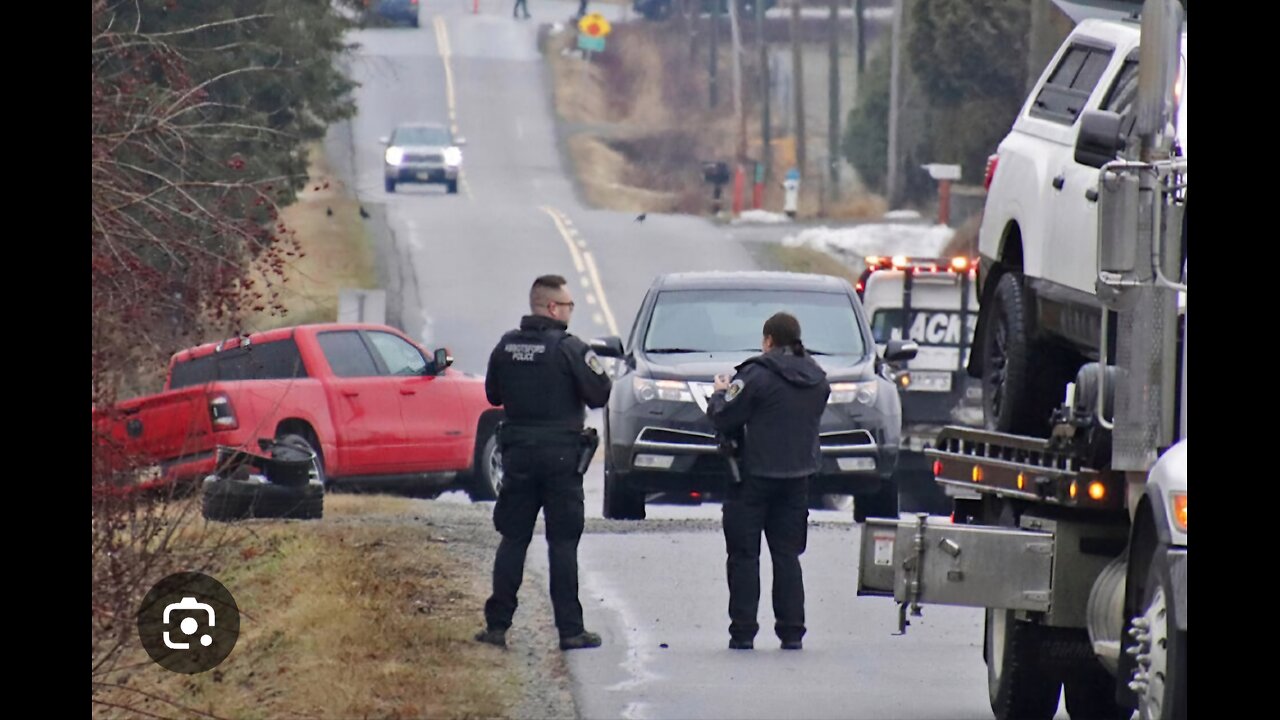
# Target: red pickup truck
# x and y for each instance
(377, 409)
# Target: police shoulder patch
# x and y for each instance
(594, 363)
(734, 389)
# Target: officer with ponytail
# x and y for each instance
(773, 405)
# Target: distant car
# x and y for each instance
(405, 11)
(691, 326)
(422, 153)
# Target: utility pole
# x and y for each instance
(715, 52)
(859, 36)
(833, 101)
(797, 80)
(895, 98)
(765, 134)
(739, 107)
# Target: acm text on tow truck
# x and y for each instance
(1077, 544)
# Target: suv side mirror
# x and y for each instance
(897, 350)
(1100, 140)
(607, 346)
(442, 360)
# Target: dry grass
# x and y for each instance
(655, 105)
(807, 260)
(342, 618)
(858, 207)
(965, 240)
(651, 96)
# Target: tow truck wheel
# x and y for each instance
(1091, 694)
(620, 503)
(1023, 379)
(1160, 679)
(1019, 686)
(883, 503)
(840, 503)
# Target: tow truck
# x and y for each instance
(1076, 544)
(933, 302)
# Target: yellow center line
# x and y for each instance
(604, 302)
(583, 262)
(442, 42)
(577, 256)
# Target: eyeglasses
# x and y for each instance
(564, 304)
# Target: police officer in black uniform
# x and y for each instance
(542, 375)
(772, 408)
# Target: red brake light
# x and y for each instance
(991, 171)
(937, 468)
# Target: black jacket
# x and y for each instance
(776, 401)
(542, 376)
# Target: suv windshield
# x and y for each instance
(732, 320)
(421, 136)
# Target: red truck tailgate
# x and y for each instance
(153, 429)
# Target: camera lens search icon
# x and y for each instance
(189, 623)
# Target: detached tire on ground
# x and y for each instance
(295, 492)
(228, 500)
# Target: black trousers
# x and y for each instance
(520, 5)
(779, 508)
(537, 478)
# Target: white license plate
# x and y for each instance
(930, 381)
(856, 463)
(424, 175)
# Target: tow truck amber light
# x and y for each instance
(937, 468)
(1180, 510)
(960, 264)
(977, 473)
(1075, 489)
(1022, 480)
(1097, 490)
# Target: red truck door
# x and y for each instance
(436, 431)
(366, 408)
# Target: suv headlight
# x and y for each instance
(847, 392)
(675, 390)
(395, 155)
(452, 156)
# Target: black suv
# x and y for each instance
(692, 326)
